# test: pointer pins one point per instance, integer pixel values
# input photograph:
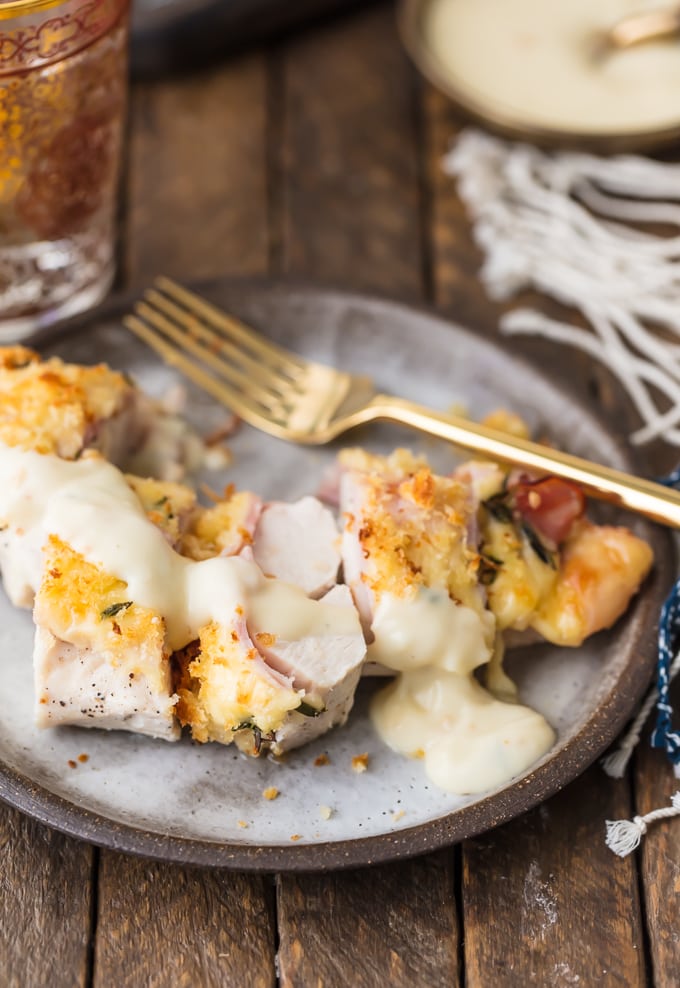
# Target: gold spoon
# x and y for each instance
(637, 29)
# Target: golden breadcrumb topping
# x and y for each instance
(220, 529)
(53, 407)
(13, 357)
(508, 422)
(224, 688)
(167, 505)
(82, 604)
(412, 529)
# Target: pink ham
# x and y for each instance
(298, 543)
(327, 667)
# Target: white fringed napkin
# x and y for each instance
(564, 224)
(561, 223)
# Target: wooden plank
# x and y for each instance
(545, 899)
(163, 926)
(350, 197)
(659, 859)
(196, 206)
(395, 924)
(45, 905)
(197, 188)
(350, 214)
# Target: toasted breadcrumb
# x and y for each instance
(398, 815)
(360, 763)
(271, 793)
(322, 759)
(296, 836)
(83, 758)
(53, 407)
(242, 824)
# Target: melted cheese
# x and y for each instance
(436, 710)
(430, 629)
(89, 506)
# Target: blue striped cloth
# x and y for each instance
(663, 735)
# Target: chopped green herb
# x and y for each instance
(258, 737)
(498, 507)
(307, 710)
(161, 501)
(488, 568)
(114, 609)
(541, 550)
(245, 725)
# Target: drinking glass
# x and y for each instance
(63, 85)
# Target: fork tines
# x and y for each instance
(216, 350)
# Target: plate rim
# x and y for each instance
(611, 714)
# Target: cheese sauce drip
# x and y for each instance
(436, 709)
(88, 505)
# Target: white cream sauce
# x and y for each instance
(435, 709)
(430, 629)
(541, 62)
(470, 742)
(89, 506)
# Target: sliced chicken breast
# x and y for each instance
(100, 660)
(282, 687)
(327, 667)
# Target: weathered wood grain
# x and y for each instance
(547, 903)
(350, 194)
(393, 925)
(659, 859)
(163, 926)
(197, 186)
(45, 903)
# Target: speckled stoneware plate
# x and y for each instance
(204, 804)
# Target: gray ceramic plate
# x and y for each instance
(204, 804)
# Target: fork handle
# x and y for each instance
(645, 497)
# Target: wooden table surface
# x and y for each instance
(320, 157)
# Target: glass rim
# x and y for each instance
(10, 8)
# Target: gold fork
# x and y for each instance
(296, 399)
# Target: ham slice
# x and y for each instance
(298, 543)
(327, 667)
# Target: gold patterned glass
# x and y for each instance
(63, 83)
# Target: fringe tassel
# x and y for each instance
(560, 223)
(623, 836)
